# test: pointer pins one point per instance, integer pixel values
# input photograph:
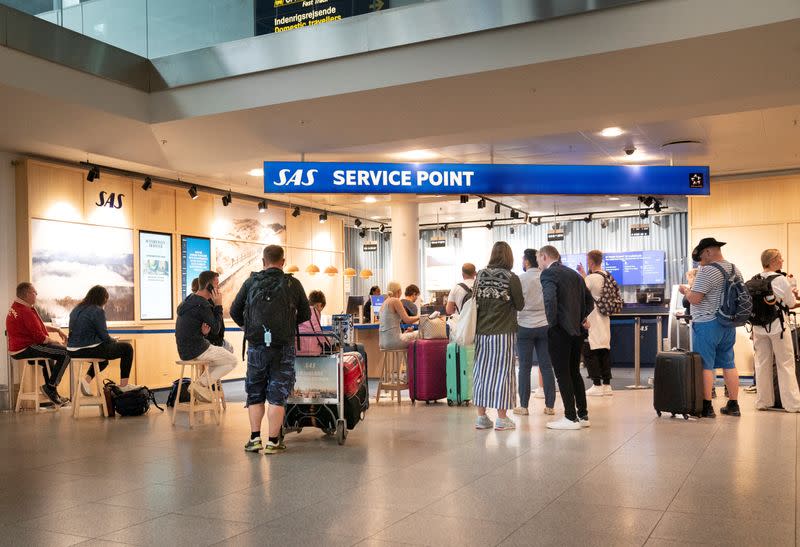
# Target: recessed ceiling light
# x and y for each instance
(614, 198)
(256, 172)
(417, 155)
(370, 199)
(611, 132)
(624, 204)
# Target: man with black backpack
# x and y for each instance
(718, 306)
(462, 291)
(269, 307)
(773, 296)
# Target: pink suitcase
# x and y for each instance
(427, 370)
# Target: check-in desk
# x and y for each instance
(636, 334)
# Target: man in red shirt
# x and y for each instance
(28, 339)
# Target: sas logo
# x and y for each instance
(695, 180)
(112, 200)
(297, 177)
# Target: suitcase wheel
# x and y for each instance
(673, 414)
(685, 416)
(659, 413)
(413, 402)
(450, 403)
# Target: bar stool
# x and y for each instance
(97, 399)
(199, 369)
(221, 396)
(393, 363)
(33, 394)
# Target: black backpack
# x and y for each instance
(766, 308)
(269, 305)
(183, 385)
(467, 295)
(131, 403)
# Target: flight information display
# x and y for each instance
(628, 268)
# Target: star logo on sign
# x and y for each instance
(695, 180)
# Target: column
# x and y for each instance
(405, 240)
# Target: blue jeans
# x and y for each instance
(528, 341)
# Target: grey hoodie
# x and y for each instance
(192, 313)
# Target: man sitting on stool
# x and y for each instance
(28, 339)
(196, 320)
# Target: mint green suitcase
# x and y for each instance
(459, 374)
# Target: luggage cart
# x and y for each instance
(317, 399)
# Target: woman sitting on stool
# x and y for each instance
(88, 337)
(392, 315)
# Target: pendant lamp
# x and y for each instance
(349, 272)
(331, 271)
(294, 268)
(313, 269)
(366, 273)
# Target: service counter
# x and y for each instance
(636, 334)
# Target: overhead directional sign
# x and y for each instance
(441, 178)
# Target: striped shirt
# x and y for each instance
(711, 283)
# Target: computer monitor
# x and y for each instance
(376, 301)
(353, 304)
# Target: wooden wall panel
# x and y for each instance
(98, 207)
(154, 209)
(194, 216)
(55, 192)
(791, 254)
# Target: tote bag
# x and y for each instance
(464, 334)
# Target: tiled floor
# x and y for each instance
(407, 475)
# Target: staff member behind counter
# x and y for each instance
(373, 291)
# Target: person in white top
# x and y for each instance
(597, 349)
(458, 294)
(532, 338)
(774, 341)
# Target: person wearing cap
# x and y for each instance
(713, 341)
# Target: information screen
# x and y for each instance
(195, 259)
(636, 267)
(155, 275)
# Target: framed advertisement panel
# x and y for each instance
(195, 259)
(155, 276)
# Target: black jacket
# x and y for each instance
(296, 294)
(192, 313)
(567, 300)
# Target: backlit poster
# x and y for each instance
(195, 259)
(155, 279)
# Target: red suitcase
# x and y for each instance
(427, 370)
(354, 372)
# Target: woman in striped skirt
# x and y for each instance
(498, 294)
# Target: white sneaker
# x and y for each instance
(584, 422)
(607, 391)
(86, 388)
(128, 387)
(595, 391)
(538, 393)
(563, 423)
(521, 410)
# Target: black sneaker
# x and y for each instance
(51, 393)
(731, 409)
(708, 410)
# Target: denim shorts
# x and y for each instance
(714, 343)
(270, 374)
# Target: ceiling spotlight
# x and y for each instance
(386, 236)
(588, 218)
(537, 222)
(323, 217)
(227, 199)
(262, 206)
(362, 233)
(611, 132)
(497, 208)
(481, 203)
(604, 223)
(657, 221)
(514, 213)
(94, 173)
(193, 191)
(382, 228)
(148, 183)
(296, 212)
(357, 223)
(556, 225)
(648, 201)
(644, 213)
(464, 198)
(657, 206)
(443, 227)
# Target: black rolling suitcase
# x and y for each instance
(678, 383)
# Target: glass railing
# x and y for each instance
(157, 28)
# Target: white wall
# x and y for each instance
(8, 247)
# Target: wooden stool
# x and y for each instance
(33, 394)
(221, 396)
(97, 399)
(199, 369)
(393, 363)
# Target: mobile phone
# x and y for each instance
(210, 288)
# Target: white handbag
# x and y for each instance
(464, 334)
(432, 329)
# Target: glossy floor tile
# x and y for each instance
(418, 475)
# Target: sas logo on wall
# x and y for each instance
(297, 178)
(696, 180)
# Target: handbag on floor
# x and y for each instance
(129, 403)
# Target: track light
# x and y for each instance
(323, 217)
(604, 223)
(514, 213)
(512, 230)
(193, 192)
(644, 213)
(296, 212)
(382, 228)
(481, 203)
(497, 208)
(556, 225)
(647, 200)
(464, 198)
(262, 206)
(358, 223)
(443, 227)
(362, 233)
(386, 236)
(148, 183)
(227, 199)
(537, 222)
(94, 173)
(588, 218)
(657, 206)
(490, 225)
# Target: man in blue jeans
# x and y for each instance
(269, 306)
(532, 338)
(710, 339)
